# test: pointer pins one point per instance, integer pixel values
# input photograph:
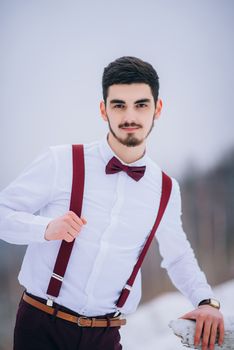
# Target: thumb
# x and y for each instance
(190, 315)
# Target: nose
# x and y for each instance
(130, 116)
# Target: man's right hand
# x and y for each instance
(66, 227)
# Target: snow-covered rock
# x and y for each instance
(148, 328)
(185, 330)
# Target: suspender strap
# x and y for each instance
(75, 206)
(166, 191)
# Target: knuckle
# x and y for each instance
(65, 218)
(72, 215)
(199, 317)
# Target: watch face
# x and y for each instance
(215, 303)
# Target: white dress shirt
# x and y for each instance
(120, 213)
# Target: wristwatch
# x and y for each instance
(212, 302)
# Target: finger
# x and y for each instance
(68, 228)
(71, 225)
(75, 217)
(213, 334)
(72, 232)
(74, 226)
(77, 226)
(68, 237)
(221, 332)
(198, 331)
(206, 334)
(84, 221)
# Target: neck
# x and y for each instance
(125, 153)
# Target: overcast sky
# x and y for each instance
(52, 58)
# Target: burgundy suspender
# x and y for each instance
(166, 191)
(76, 206)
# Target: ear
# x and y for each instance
(158, 109)
(103, 110)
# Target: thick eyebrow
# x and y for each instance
(143, 100)
(115, 100)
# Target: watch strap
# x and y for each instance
(211, 302)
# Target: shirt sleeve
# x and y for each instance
(177, 255)
(25, 196)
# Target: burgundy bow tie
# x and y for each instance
(115, 166)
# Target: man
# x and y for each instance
(117, 215)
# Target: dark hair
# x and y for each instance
(129, 70)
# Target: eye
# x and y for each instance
(141, 105)
(119, 106)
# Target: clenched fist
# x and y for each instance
(66, 227)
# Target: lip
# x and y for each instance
(130, 129)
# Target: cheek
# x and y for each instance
(148, 123)
(147, 119)
(114, 119)
(115, 125)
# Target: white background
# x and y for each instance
(52, 58)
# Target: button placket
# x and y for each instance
(104, 244)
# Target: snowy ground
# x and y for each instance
(148, 328)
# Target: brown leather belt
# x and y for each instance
(81, 321)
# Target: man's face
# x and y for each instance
(130, 112)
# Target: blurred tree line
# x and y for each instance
(208, 220)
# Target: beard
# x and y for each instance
(130, 140)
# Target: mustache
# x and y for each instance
(130, 125)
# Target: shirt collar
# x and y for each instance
(107, 153)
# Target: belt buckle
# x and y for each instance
(78, 320)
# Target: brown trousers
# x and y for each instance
(36, 330)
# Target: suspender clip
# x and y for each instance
(117, 313)
(128, 287)
(57, 277)
(50, 301)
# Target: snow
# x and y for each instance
(148, 328)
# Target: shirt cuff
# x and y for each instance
(202, 295)
(38, 228)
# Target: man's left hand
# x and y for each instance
(209, 320)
